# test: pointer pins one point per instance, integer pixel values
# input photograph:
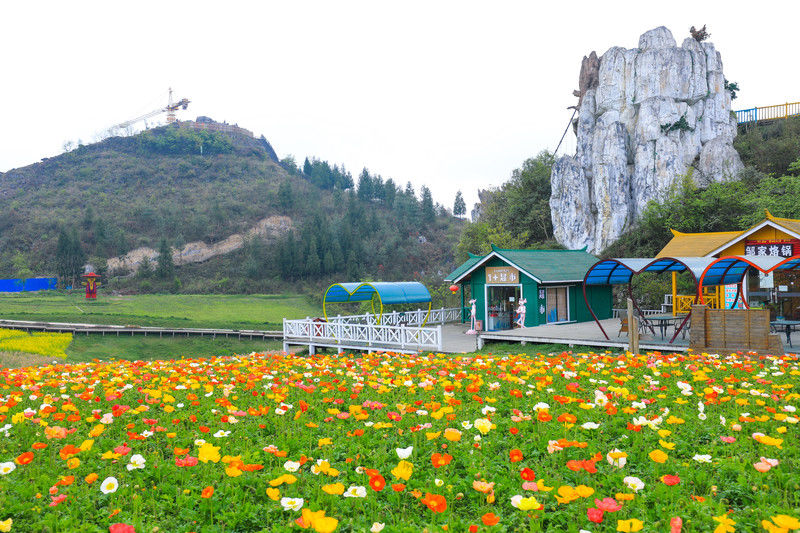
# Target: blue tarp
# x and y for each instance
(28, 285)
(401, 292)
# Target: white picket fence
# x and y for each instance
(353, 335)
(407, 318)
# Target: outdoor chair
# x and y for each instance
(623, 325)
(644, 324)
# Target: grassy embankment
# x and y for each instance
(258, 312)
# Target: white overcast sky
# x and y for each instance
(454, 95)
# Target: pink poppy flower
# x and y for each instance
(607, 504)
(728, 440)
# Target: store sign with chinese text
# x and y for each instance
(502, 275)
(772, 248)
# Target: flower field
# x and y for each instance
(559, 442)
(41, 343)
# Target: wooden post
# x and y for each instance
(674, 293)
(633, 330)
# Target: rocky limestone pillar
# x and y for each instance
(657, 113)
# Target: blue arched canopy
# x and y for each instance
(730, 270)
(399, 292)
(620, 271)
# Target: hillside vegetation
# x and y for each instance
(170, 186)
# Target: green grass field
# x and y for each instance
(88, 347)
(169, 310)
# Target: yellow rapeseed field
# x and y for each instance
(41, 343)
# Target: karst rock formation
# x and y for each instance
(647, 117)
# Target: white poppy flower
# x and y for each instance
(355, 491)
(137, 461)
(404, 453)
(109, 485)
(292, 504)
(291, 466)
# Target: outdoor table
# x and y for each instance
(788, 326)
(662, 322)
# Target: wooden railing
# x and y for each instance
(771, 112)
(684, 303)
(617, 313)
(409, 318)
(355, 335)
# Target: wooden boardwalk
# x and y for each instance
(110, 329)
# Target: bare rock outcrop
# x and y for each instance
(197, 252)
(657, 112)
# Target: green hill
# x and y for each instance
(178, 185)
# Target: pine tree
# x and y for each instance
(353, 267)
(427, 213)
(328, 265)
(165, 268)
(365, 191)
(307, 167)
(459, 206)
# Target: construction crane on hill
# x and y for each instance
(170, 110)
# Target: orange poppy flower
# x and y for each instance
(544, 416)
(441, 459)
(568, 418)
(398, 487)
(39, 446)
(435, 502)
(207, 492)
(515, 455)
(24, 458)
(490, 519)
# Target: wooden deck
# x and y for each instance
(585, 334)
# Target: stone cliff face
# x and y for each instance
(652, 115)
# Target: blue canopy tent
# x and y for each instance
(732, 269)
(621, 271)
(388, 293)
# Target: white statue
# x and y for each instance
(473, 311)
(521, 312)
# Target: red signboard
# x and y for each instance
(785, 248)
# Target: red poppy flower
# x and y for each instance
(595, 515)
(377, 483)
(527, 474)
(121, 528)
(670, 480)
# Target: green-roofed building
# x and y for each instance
(551, 281)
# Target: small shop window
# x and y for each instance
(557, 308)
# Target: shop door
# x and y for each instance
(557, 305)
(501, 302)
